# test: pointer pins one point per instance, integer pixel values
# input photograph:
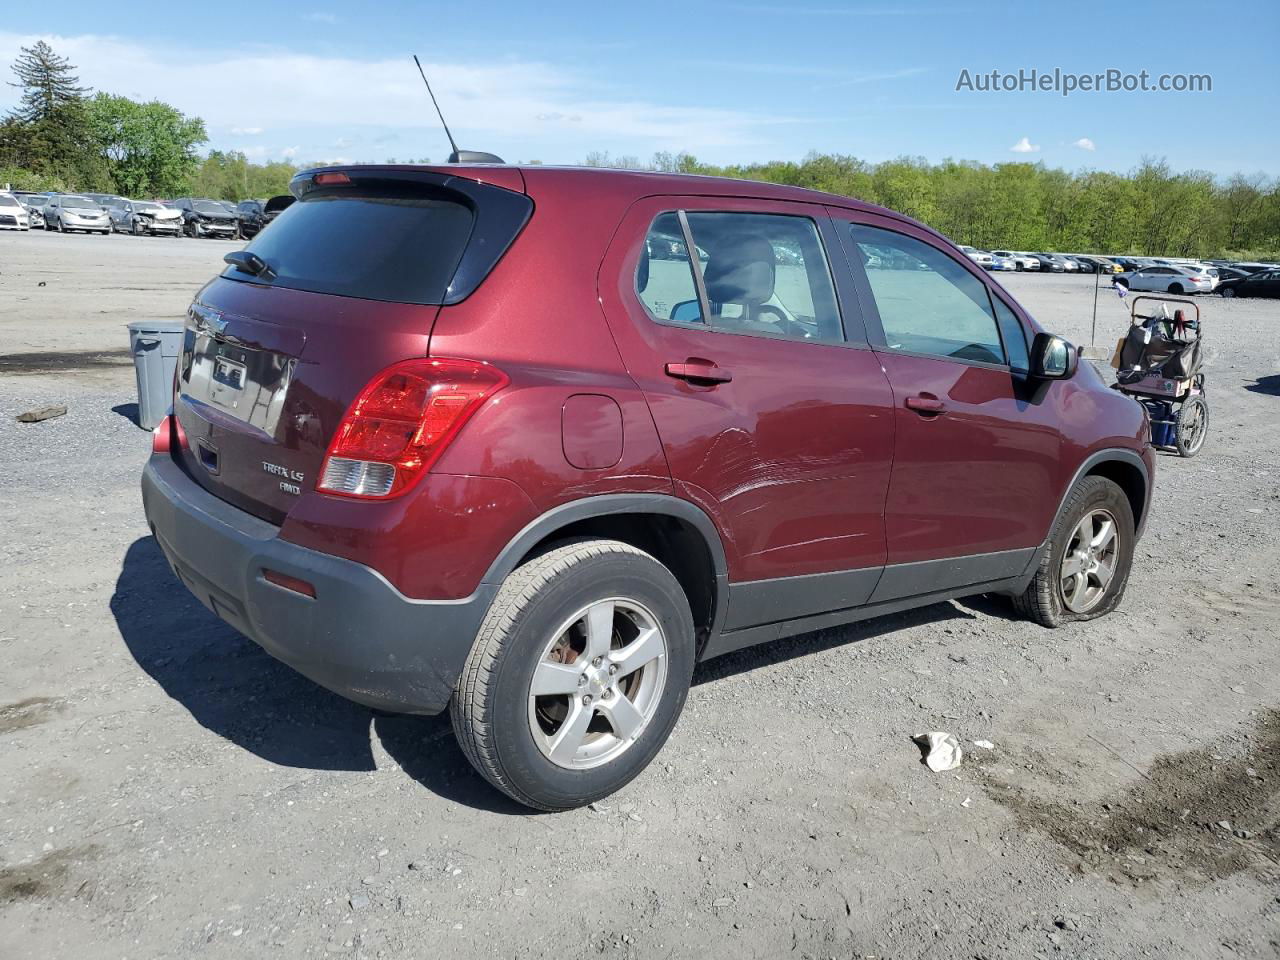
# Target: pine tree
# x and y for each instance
(47, 81)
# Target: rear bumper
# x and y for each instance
(359, 637)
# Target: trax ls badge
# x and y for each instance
(293, 478)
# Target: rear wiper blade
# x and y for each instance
(250, 263)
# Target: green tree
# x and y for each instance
(47, 81)
(150, 148)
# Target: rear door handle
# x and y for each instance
(698, 371)
(923, 404)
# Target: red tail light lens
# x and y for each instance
(401, 422)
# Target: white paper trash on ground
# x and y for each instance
(944, 751)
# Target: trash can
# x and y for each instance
(155, 348)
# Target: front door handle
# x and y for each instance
(698, 371)
(926, 405)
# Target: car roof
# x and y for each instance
(640, 183)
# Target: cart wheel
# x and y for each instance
(1193, 426)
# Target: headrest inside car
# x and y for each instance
(741, 270)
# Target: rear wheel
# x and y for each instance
(1192, 426)
(1085, 567)
(577, 676)
(1176, 289)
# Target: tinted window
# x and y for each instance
(367, 242)
(766, 274)
(928, 303)
(664, 278)
(1014, 336)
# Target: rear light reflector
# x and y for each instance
(167, 433)
(289, 583)
(401, 423)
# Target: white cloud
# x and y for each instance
(509, 102)
(246, 131)
(288, 153)
(1084, 143)
(1025, 146)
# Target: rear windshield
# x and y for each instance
(368, 243)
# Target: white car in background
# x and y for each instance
(1167, 278)
(1021, 261)
(13, 215)
(980, 257)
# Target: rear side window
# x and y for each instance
(375, 244)
(928, 303)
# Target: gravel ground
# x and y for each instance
(168, 790)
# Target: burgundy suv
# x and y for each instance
(529, 443)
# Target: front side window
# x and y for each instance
(928, 303)
(664, 278)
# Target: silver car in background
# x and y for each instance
(66, 212)
(143, 217)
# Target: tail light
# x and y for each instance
(401, 422)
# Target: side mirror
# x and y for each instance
(1053, 358)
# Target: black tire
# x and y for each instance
(136, 229)
(1017, 267)
(1043, 601)
(191, 230)
(491, 704)
(1120, 282)
(1227, 292)
(1192, 426)
(1176, 289)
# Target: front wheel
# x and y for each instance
(1192, 426)
(1228, 292)
(577, 676)
(1085, 567)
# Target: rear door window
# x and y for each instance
(766, 274)
(368, 242)
(928, 303)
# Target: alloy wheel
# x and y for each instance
(598, 683)
(1089, 563)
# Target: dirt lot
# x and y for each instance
(168, 790)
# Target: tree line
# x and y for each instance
(62, 136)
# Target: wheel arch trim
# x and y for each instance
(1109, 454)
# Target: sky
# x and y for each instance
(729, 82)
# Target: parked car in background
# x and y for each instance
(1082, 264)
(13, 215)
(533, 484)
(104, 200)
(1233, 273)
(1264, 283)
(202, 217)
(999, 263)
(146, 217)
(1250, 266)
(1021, 261)
(67, 211)
(1047, 263)
(981, 257)
(254, 215)
(1166, 279)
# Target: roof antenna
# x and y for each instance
(458, 156)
